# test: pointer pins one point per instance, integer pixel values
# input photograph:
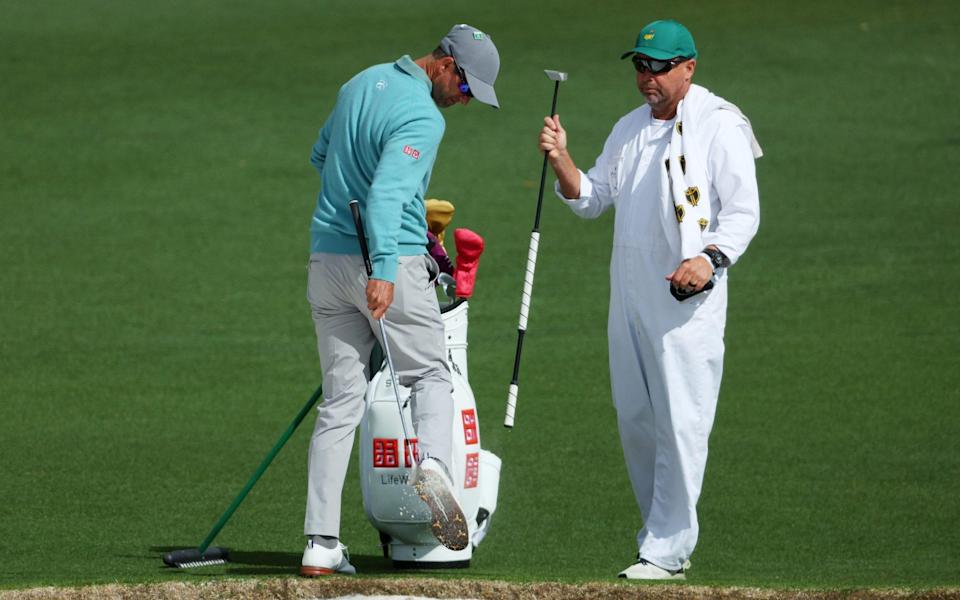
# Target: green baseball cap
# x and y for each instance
(663, 40)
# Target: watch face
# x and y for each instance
(715, 258)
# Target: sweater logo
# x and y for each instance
(411, 152)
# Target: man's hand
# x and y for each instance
(553, 138)
(553, 141)
(379, 297)
(692, 274)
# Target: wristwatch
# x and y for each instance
(718, 260)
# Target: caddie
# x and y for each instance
(679, 172)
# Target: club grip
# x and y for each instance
(361, 236)
(525, 299)
(511, 405)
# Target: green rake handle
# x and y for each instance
(263, 467)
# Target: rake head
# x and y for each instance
(192, 557)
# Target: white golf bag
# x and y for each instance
(389, 500)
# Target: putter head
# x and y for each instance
(555, 75)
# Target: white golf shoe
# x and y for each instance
(436, 489)
(318, 560)
(647, 570)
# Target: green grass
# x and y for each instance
(155, 340)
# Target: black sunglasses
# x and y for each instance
(656, 67)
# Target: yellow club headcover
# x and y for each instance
(439, 215)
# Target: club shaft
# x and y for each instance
(259, 472)
(516, 358)
(395, 386)
(553, 106)
(543, 170)
(514, 389)
(543, 178)
(526, 299)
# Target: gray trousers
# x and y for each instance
(336, 289)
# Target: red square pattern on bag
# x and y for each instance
(385, 453)
(472, 471)
(470, 435)
(407, 445)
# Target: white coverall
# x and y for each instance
(666, 357)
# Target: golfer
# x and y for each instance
(679, 171)
(378, 146)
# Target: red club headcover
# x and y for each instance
(469, 248)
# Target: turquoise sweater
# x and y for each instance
(378, 146)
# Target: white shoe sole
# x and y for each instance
(651, 572)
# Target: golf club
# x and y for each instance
(556, 77)
(362, 238)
